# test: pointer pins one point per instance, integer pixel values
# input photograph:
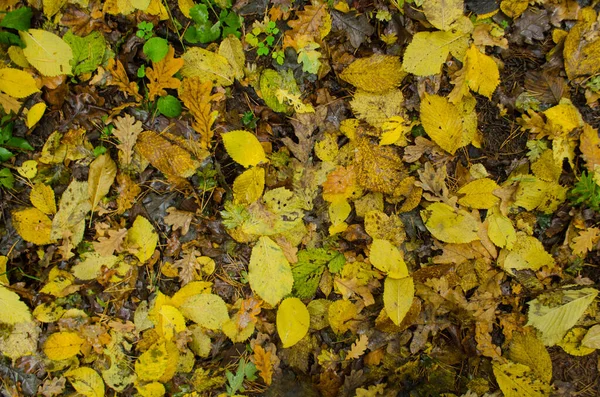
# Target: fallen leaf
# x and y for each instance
(161, 75)
(244, 148)
(398, 296)
(292, 321)
(269, 272)
(101, 177)
(12, 309)
(47, 52)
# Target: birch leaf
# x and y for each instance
(293, 320)
(269, 272)
(12, 309)
(398, 296)
(244, 148)
(47, 52)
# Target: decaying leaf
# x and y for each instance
(378, 73)
(196, 95)
(161, 75)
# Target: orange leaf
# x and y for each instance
(161, 76)
(121, 80)
(263, 361)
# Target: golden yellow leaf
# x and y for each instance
(17, 83)
(525, 348)
(427, 51)
(244, 148)
(86, 381)
(441, 14)
(42, 198)
(196, 96)
(91, 265)
(482, 73)
(546, 167)
(127, 191)
(564, 117)
(101, 177)
(442, 121)
(478, 194)
(514, 8)
(48, 312)
(517, 380)
(28, 169)
(47, 52)
(142, 238)
(589, 144)
(338, 211)
(264, 363)
(170, 159)
(585, 241)
(62, 345)
(293, 320)
(35, 113)
(341, 314)
(12, 309)
(9, 104)
(394, 131)
(582, 47)
(398, 296)
(377, 73)
(161, 75)
(387, 258)
(527, 253)
(269, 271)
(33, 225)
(51, 7)
(450, 225)
(249, 186)
(207, 66)
(534, 193)
(185, 6)
(154, 389)
(500, 229)
(152, 364)
(121, 80)
(313, 23)
(171, 322)
(379, 168)
(377, 108)
(208, 310)
(379, 225)
(572, 342)
(3, 273)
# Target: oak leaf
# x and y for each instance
(179, 219)
(585, 241)
(161, 75)
(126, 130)
(358, 348)
(263, 361)
(196, 96)
(113, 243)
(121, 80)
(314, 21)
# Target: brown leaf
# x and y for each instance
(127, 191)
(313, 23)
(546, 87)
(170, 159)
(196, 96)
(179, 219)
(380, 169)
(106, 246)
(358, 348)
(161, 75)
(82, 23)
(304, 127)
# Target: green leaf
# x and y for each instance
(5, 154)
(11, 39)
(337, 263)
(199, 13)
(307, 272)
(555, 313)
(7, 179)
(169, 106)
(19, 19)
(156, 49)
(88, 51)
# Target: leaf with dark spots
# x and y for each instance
(356, 27)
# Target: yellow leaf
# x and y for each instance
(103, 171)
(517, 380)
(28, 169)
(395, 131)
(514, 8)
(482, 73)
(169, 158)
(249, 186)
(450, 225)
(546, 167)
(293, 320)
(398, 296)
(377, 73)
(500, 229)
(12, 309)
(527, 349)
(142, 238)
(244, 148)
(152, 364)
(441, 14)
(427, 51)
(208, 310)
(35, 113)
(442, 121)
(17, 83)
(171, 322)
(338, 211)
(387, 258)
(86, 381)
(47, 52)
(269, 272)
(51, 7)
(21, 341)
(207, 66)
(231, 48)
(534, 193)
(564, 117)
(185, 6)
(33, 226)
(379, 225)
(161, 75)
(48, 312)
(527, 253)
(572, 342)
(62, 345)
(188, 290)
(3, 273)
(592, 337)
(73, 206)
(91, 265)
(42, 198)
(478, 194)
(341, 314)
(585, 241)
(379, 168)
(590, 147)
(17, 57)
(154, 389)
